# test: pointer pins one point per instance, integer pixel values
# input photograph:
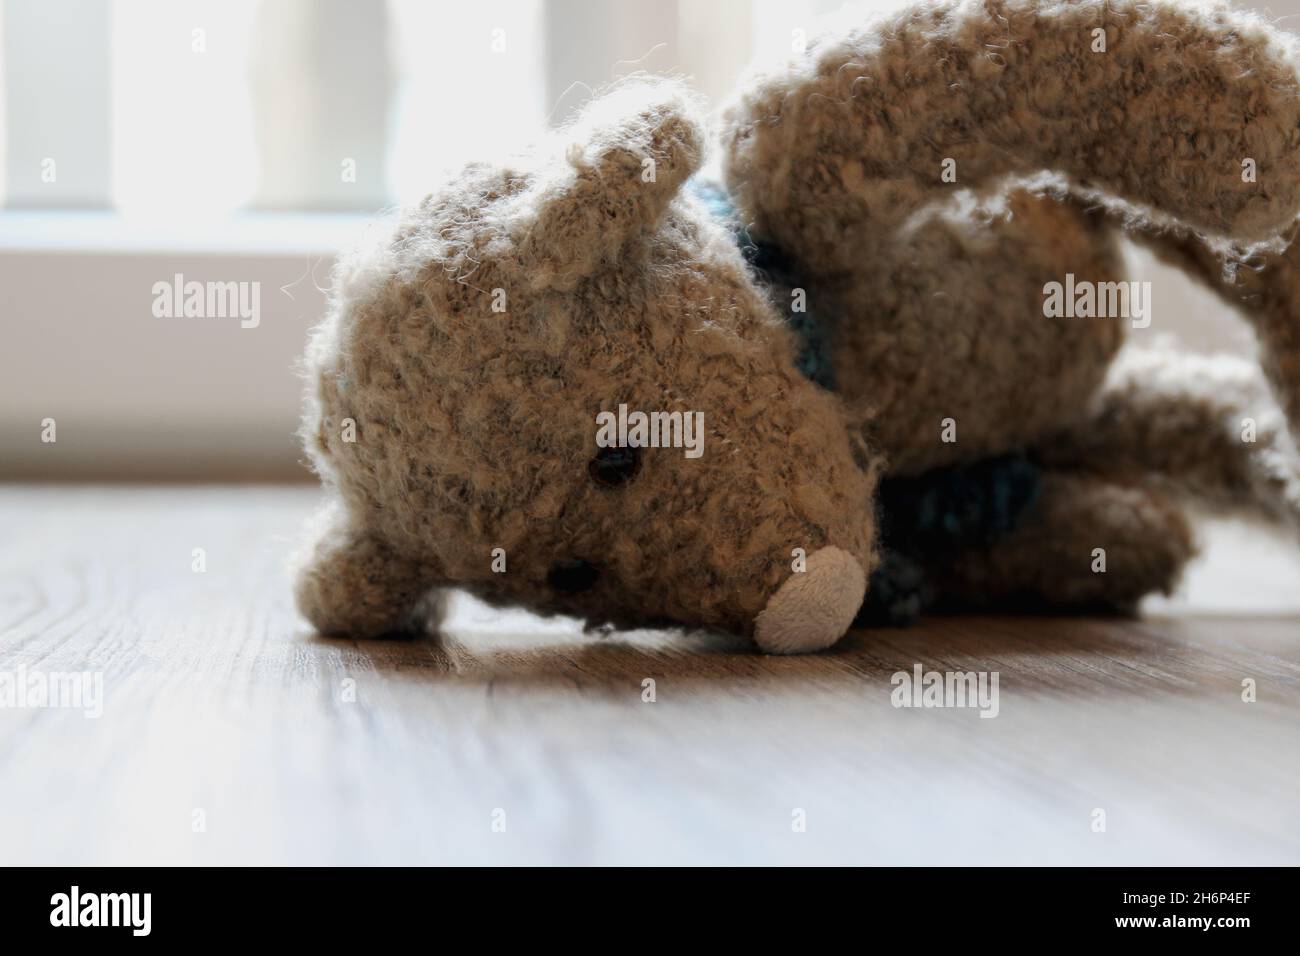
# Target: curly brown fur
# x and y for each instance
(947, 326)
(838, 161)
(353, 583)
(832, 155)
(1206, 427)
(474, 428)
(1263, 285)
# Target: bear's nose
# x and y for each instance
(814, 607)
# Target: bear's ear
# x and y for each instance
(627, 155)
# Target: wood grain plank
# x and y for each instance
(218, 698)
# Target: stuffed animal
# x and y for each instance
(886, 348)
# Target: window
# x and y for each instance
(170, 111)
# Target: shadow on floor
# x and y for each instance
(1057, 654)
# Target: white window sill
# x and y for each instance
(137, 394)
(253, 233)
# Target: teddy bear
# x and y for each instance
(856, 318)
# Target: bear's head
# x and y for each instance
(459, 380)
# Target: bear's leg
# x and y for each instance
(1088, 543)
(944, 350)
(1264, 287)
(1205, 427)
(349, 583)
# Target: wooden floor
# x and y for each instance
(230, 733)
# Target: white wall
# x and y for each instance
(137, 396)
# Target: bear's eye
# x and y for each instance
(572, 576)
(613, 467)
